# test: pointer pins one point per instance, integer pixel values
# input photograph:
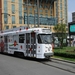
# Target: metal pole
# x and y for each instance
(24, 18)
(0, 20)
(38, 12)
(27, 15)
(34, 18)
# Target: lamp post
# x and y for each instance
(34, 18)
(0, 23)
(38, 11)
(27, 15)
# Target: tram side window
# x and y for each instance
(33, 39)
(27, 37)
(21, 38)
(39, 39)
(5, 38)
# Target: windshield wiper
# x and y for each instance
(46, 41)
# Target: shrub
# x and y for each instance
(67, 55)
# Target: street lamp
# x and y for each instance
(0, 23)
(38, 12)
(34, 18)
(27, 15)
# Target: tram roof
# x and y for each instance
(37, 30)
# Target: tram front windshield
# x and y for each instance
(44, 38)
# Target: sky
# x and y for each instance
(71, 8)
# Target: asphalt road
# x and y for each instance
(17, 66)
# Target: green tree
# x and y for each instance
(60, 30)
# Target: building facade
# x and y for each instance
(62, 11)
(73, 17)
(15, 13)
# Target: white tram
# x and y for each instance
(32, 42)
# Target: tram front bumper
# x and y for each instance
(48, 54)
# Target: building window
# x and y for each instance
(31, 9)
(30, 14)
(20, 19)
(40, 5)
(61, 14)
(21, 38)
(14, 26)
(25, 18)
(13, 1)
(5, 12)
(43, 20)
(13, 8)
(25, 8)
(5, 18)
(7, 27)
(20, 12)
(46, 6)
(46, 15)
(41, 11)
(41, 15)
(35, 10)
(13, 19)
(46, 11)
(31, 19)
(61, 6)
(61, 1)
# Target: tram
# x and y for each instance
(28, 42)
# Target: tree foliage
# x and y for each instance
(60, 30)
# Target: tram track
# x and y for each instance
(63, 62)
(56, 63)
(62, 65)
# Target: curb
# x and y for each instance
(62, 60)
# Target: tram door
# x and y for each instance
(6, 43)
(31, 45)
(0, 44)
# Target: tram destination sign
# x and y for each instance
(72, 28)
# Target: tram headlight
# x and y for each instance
(49, 48)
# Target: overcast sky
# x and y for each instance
(71, 8)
